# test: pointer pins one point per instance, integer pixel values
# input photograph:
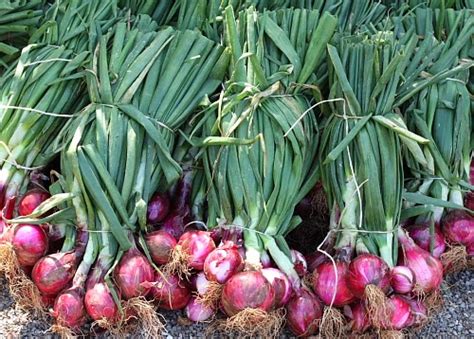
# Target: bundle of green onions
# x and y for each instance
(18, 20)
(260, 143)
(38, 97)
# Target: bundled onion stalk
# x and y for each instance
(18, 20)
(442, 114)
(260, 143)
(144, 84)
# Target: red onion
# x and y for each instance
(367, 269)
(420, 233)
(174, 225)
(315, 259)
(132, 273)
(160, 244)
(418, 310)
(170, 292)
(201, 284)
(458, 226)
(325, 285)
(197, 245)
(303, 313)
(280, 283)
(358, 315)
(247, 289)
(196, 311)
(31, 200)
(265, 260)
(30, 243)
(100, 304)
(402, 279)
(158, 208)
(299, 262)
(223, 262)
(400, 313)
(427, 269)
(54, 272)
(69, 308)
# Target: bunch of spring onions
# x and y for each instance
(260, 143)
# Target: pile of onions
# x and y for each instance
(247, 289)
(420, 233)
(427, 269)
(132, 274)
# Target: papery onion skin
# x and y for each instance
(402, 279)
(201, 283)
(400, 314)
(325, 286)
(198, 312)
(418, 310)
(427, 269)
(280, 283)
(158, 208)
(299, 262)
(303, 313)
(170, 292)
(30, 243)
(132, 274)
(458, 226)
(160, 244)
(247, 289)
(420, 233)
(31, 200)
(359, 321)
(198, 245)
(367, 269)
(69, 308)
(100, 304)
(223, 262)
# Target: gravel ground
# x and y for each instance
(454, 320)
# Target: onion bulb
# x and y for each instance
(223, 262)
(170, 292)
(280, 283)
(132, 274)
(303, 313)
(420, 233)
(160, 244)
(30, 243)
(331, 282)
(367, 269)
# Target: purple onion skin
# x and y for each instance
(160, 244)
(402, 279)
(223, 262)
(458, 226)
(31, 200)
(303, 313)
(30, 243)
(420, 233)
(100, 304)
(247, 289)
(158, 208)
(198, 312)
(69, 309)
(367, 269)
(133, 273)
(198, 245)
(171, 293)
(280, 283)
(400, 314)
(325, 286)
(427, 269)
(359, 321)
(299, 262)
(174, 225)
